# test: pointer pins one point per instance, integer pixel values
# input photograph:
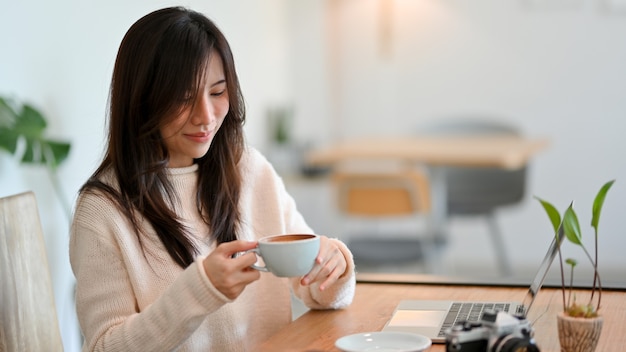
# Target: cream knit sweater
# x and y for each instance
(134, 299)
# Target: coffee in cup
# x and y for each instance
(288, 255)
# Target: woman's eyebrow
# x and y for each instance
(218, 82)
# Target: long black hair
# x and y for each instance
(162, 58)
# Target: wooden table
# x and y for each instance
(374, 304)
(507, 152)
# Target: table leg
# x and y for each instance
(439, 204)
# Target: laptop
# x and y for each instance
(431, 318)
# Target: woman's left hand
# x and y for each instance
(330, 264)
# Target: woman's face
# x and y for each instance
(189, 134)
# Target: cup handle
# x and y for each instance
(254, 266)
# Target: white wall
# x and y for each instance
(558, 73)
(59, 56)
(553, 68)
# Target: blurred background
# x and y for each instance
(315, 72)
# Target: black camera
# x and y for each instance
(494, 332)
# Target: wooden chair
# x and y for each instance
(381, 200)
(382, 194)
(27, 310)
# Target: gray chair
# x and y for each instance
(27, 310)
(481, 191)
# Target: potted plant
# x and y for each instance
(579, 325)
(22, 128)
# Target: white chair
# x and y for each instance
(27, 310)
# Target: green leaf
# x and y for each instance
(597, 204)
(7, 114)
(571, 227)
(8, 140)
(553, 214)
(32, 154)
(571, 261)
(28, 126)
(30, 122)
(55, 153)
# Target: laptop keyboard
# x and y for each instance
(469, 311)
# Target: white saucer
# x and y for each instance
(383, 342)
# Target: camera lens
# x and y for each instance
(514, 344)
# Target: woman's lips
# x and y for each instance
(200, 137)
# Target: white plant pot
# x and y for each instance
(578, 334)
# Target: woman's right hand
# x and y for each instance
(231, 273)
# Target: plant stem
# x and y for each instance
(595, 267)
(596, 278)
(571, 286)
(562, 274)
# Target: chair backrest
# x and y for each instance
(479, 190)
(382, 194)
(27, 310)
(469, 126)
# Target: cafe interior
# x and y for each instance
(419, 132)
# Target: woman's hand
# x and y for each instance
(330, 265)
(229, 273)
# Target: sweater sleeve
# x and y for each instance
(104, 254)
(338, 295)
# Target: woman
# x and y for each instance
(178, 195)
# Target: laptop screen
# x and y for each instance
(535, 286)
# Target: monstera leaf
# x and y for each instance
(22, 134)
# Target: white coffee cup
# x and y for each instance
(288, 255)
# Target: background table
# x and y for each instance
(508, 152)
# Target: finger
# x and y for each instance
(321, 270)
(245, 260)
(245, 276)
(230, 248)
(332, 278)
(320, 260)
(248, 275)
(311, 276)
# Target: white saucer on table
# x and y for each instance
(383, 341)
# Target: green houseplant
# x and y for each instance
(22, 128)
(580, 323)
